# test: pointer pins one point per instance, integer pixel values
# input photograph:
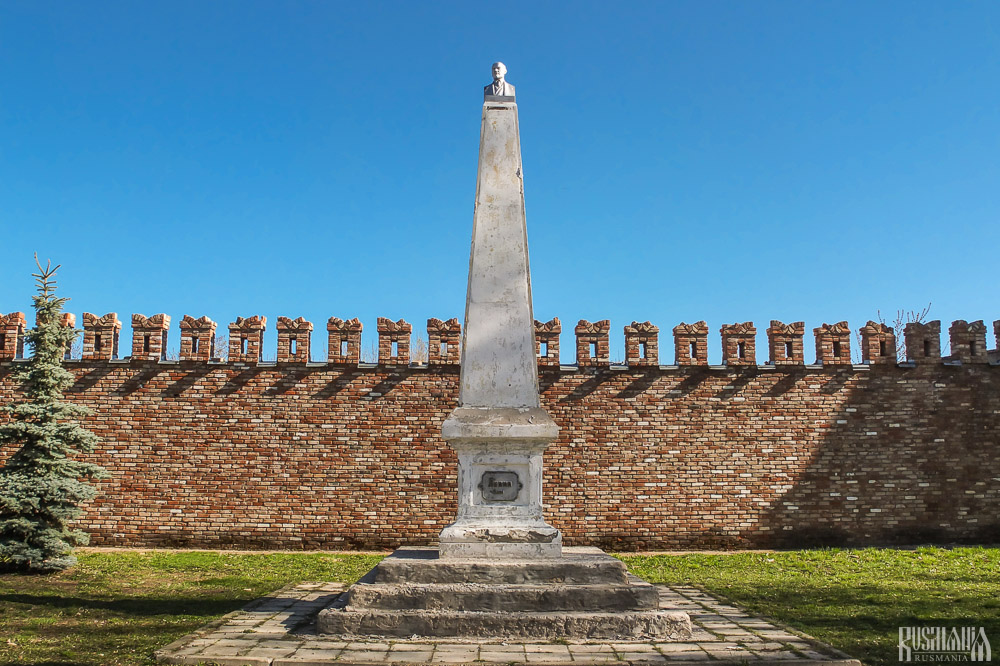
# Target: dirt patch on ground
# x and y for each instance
(113, 549)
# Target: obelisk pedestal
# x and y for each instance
(499, 485)
(499, 429)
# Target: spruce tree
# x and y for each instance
(41, 485)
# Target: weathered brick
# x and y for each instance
(592, 346)
(393, 342)
(340, 456)
(443, 341)
(968, 341)
(197, 339)
(642, 344)
(833, 344)
(923, 341)
(878, 343)
(100, 336)
(547, 341)
(691, 344)
(739, 344)
(246, 339)
(294, 340)
(784, 343)
(344, 341)
(149, 336)
(12, 327)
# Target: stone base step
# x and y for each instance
(639, 625)
(585, 594)
(492, 597)
(577, 566)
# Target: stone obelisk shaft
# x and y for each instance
(499, 368)
(499, 430)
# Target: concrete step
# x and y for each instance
(636, 625)
(493, 597)
(577, 566)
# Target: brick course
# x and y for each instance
(12, 327)
(197, 339)
(642, 344)
(246, 339)
(443, 341)
(739, 344)
(691, 343)
(592, 343)
(294, 340)
(833, 344)
(878, 343)
(149, 336)
(968, 341)
(923, 342)
(784, 343)
(547, 341)
(344, 340)
(100, 336)
(393, 341)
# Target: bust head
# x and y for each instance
(499, 71)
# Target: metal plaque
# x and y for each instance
(500, 486)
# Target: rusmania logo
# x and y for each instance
(943, 644)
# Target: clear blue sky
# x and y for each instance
(724, 161)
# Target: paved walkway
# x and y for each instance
(278, 631)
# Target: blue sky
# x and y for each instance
(725, 161)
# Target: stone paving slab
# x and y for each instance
(279, 630)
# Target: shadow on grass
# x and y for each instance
(68, 662)
(138, 606)
(864, 620)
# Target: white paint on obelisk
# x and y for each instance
(499, 430)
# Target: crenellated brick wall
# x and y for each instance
(332, 455)
(12, 327)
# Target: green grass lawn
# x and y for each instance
(855, 600)
(118, 607)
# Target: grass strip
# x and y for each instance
(855, 600)
(119, 607)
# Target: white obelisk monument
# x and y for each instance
(501, 572)
(499, 429)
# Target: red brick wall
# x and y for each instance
(291, 456)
